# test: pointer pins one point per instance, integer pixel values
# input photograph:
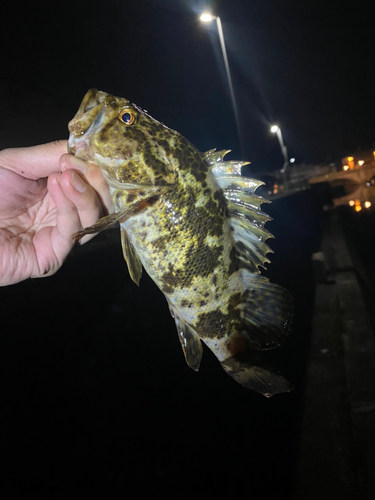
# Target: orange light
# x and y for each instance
(350, 158)
(357, 207)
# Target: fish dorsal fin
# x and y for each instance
(266, 308)
(190, 342)
(131, 257)
(214, 159)
(212, 156)
(247, 218)
(208, 153)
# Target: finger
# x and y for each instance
(93, 175)
(53, 243)
(36, 161)
(83, 197)
(67, 218)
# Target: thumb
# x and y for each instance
(34, 162)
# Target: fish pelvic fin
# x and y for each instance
(256, 378)
(190, 342)
(131, 257)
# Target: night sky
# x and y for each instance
(306, 65)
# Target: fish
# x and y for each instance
(195, 224)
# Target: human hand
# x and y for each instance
(46, 195)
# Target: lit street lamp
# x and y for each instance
(207, 18)
(275, 129)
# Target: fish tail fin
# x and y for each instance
(256, 378)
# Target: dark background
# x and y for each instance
(96, 396)
(306, 65)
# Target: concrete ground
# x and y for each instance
(337, 451)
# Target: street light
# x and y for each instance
(275, 129)
(206, 17)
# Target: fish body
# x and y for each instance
(197, 228)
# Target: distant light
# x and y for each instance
(274, 129)
(345, 167)
(367, 204)
(206, 17)
(358, 207)
(292, 160)
(351, 203)
(360, 163)
(350, 158)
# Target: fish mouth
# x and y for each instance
(88, 117)
(76, 145)
(90, 106)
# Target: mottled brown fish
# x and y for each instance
(194, 223)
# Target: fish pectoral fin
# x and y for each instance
(131, 257)
(100, 225)
(109, 220)
(190, 342)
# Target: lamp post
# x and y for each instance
(207, 18)
(275, 129)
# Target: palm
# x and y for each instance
(27, 220)
(40, 209)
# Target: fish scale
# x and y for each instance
(196, 226)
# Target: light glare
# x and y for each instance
(274, 129)
(367, 204)
(206, 17)
(345, 167)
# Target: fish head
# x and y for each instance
(130, 146)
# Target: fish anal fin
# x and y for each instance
(190, 342)
(131, 257)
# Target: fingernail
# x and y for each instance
(77, 183)
(78, 164)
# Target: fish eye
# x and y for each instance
(128, 116)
